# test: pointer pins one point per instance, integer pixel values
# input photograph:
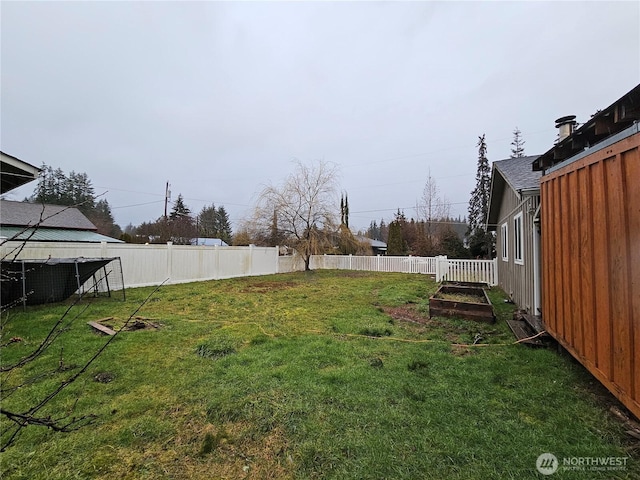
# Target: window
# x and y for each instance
(517, 239)
(504, 239)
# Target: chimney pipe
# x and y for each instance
(566, 126)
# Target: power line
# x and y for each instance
(405, 208)
(138, 204)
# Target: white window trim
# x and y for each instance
(504, 233)
(518, 239)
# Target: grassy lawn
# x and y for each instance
(328, 375)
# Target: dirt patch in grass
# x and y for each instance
(235, 450)
(462, 351)
(407, 313)
(136, 323)
(266, 287)
(202, 451)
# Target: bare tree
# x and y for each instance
(304, 208)
(432, 208)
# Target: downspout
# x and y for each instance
(537, 267)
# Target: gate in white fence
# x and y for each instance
(457, 270)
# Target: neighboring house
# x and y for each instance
(590, 222)
(209, 242)
(15, 172)
(47, 223)
(514, 216)
(377, 247)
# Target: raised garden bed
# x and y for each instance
(468, 301)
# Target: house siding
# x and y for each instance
(515, 279)
(591, 274)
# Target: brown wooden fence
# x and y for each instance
(590, 222)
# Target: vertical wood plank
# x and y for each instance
(587, 260)
(631, 174)
(574, 284)
(557, 250)
(566, 227)
(601, 270)
(618, 272)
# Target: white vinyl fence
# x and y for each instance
(484, 271)
(426, 265)
(443, 268)
(144, 265)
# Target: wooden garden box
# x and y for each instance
(468, 301)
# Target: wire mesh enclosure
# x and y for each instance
(34, 282)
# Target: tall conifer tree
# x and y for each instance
(517, 145)
(480, 241)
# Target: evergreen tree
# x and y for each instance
(373, 231)
(344, 210)
(479, 201)
(56, 188)
(179, 209)
(384, 231)
(75, 189)
(214, 223)
(517, 145)
(80, 192)
(102, 218)
(451, 245)
(395, 245)
(224, 225)
(180, 227)
(480, 241)
(207, 221)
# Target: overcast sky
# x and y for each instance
(218, 97)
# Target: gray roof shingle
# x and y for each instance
(54, 235)
(22, 214)
(518, 172)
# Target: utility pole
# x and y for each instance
(167, 196)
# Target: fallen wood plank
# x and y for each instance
(101, 328)
(523, 331)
